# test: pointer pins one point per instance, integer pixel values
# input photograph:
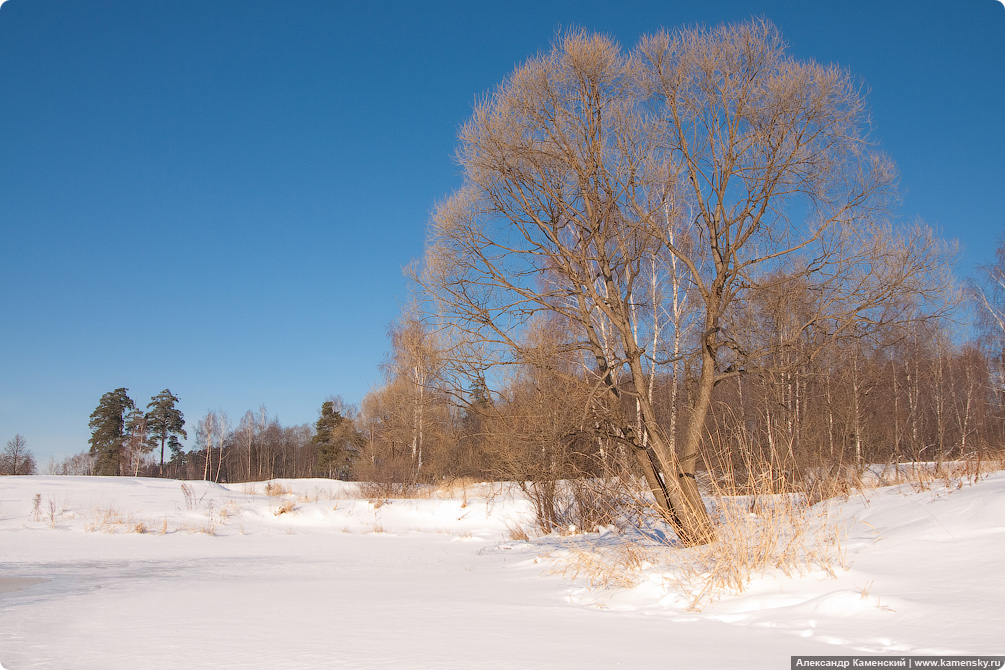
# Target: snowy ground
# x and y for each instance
(134, 573)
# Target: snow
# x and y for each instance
(125, 573)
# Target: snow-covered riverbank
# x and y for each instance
(140, 573)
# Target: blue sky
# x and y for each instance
(219, 197)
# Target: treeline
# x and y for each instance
(260, 448)
(127, 441)
(906, 395)
(860, 402)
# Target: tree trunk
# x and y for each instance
(672, 479)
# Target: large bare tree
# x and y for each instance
(706, 161)
(16, 458)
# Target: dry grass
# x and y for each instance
(517, 532)
(206, 528)
(764, 522)
(188, 493)
(53, 514)
(106, 520)
(276, 490)
(384, 491)
(622, 568)
(285, 508)
(767, 533)
(465, 488)
(756, 534)
(231, 509)
(318, 494)
(457, 487)
(763, 525)
(950, 474)
(109, 520)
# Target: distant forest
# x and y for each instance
(916, 394)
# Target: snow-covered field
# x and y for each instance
(140, 573)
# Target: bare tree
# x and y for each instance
(138, 442)
(414, 365)
(989, 295)
(244, 438)
(78, 465)
(222, 433)
(587, 163)
(211, 431)
(16, 458)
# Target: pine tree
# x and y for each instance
(337, 442)
(479, 403)
(165, 423)
(107, 425)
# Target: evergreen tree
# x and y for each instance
(165, 423)
(337, 442)
(108, 433)
(479, 404)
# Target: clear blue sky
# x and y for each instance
(218, 197)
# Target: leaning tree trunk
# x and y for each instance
(670, 477)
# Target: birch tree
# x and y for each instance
(989, 295)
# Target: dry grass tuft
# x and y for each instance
(517, 532)
(950, 474)
(231, 509)
(109, 520)
(275, 490)
(285, 508)
(188, 493)
(317, 494)
(623, 568)
(383, 491)
(454, 488)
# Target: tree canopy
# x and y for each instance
(107, 425)
(337, 441)
(165, 422)
(601, 187)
